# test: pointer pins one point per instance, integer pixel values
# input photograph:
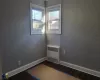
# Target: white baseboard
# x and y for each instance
(82, 69)
(23, 68)
(73, 66)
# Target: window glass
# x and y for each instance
(36, 14)
(37, 19)
(53, 22)
(53, 15)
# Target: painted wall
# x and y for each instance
(16, 42)
(0, 48)
(80, 32)
(0, 68)
(53, 39)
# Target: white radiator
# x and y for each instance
(53, 53)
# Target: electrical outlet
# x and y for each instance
(19, 63)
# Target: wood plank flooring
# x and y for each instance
(43, 72)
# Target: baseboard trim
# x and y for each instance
(82, 69)
(23, 68)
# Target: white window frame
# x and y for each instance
(54, 8)
(34, 6)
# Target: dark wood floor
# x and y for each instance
(72, 72)
(26, 76)
(22, 76)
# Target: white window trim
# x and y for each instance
(35, 6)
(54, 31)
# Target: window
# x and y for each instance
(54, 19)
(37, 19)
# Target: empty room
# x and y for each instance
(49, 39)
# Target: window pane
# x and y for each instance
(36, 14)
(37, 19)
(37, 24)
(53, 24)
(53, 15)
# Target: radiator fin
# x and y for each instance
(53, 49)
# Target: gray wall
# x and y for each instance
(16, 42)
(0, 68)
(53, 39)
(0, 44)
(80, 33)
